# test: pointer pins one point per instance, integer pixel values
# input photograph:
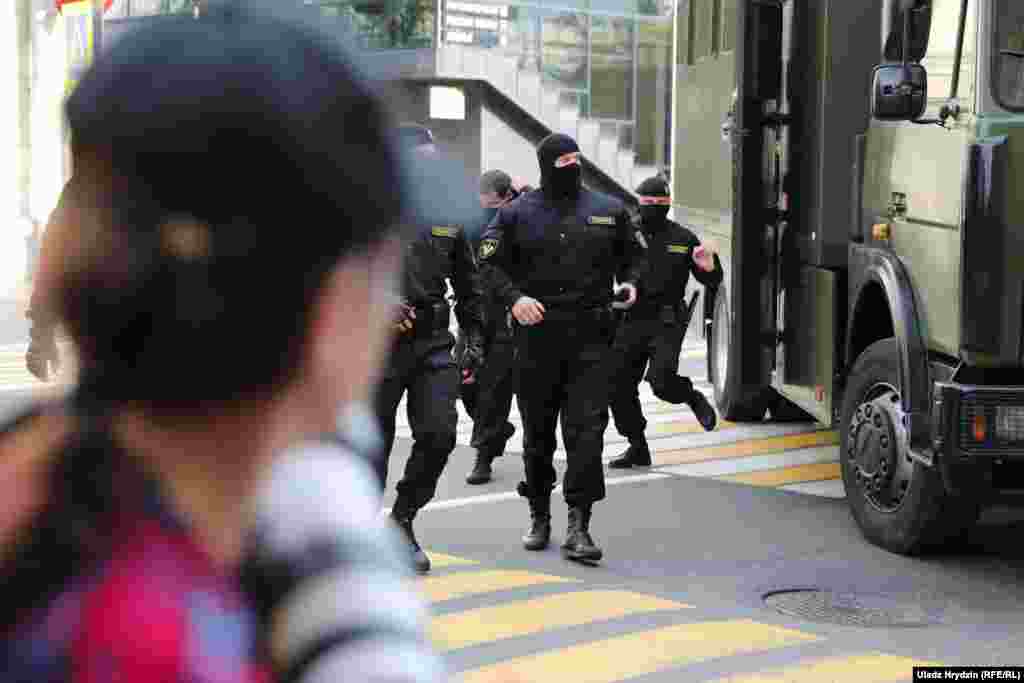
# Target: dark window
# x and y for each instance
(1008, 60)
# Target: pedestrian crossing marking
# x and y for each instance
(440, 560)
(879, 668)
(453, 586)
(529, 617)
(639, 654)
(797, 474)
(742, 449)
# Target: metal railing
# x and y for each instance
(606, 142)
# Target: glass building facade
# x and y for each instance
(609, 61)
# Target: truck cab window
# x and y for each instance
(1008, 79)
(941, 54)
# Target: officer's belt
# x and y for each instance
(664, 312)
(431, 318)
(570, 315)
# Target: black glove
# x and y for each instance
(42, 352)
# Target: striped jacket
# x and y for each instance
(157, 609)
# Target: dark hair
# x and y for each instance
(233, 161)
(496, 181)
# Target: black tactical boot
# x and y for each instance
(703, 410)
(637, 455)
(420, 561)
(481, 473)
(539, 535)
(579, 546)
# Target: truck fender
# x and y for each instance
(877, 266)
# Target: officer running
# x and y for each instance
(551, 256)
(421, 361)
(653, 330)
(489, 399)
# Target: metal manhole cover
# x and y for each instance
(847, 609)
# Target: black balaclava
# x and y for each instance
(560, 174)
(654, 189)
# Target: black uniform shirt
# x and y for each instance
(562, 253)
(670, 256)
(436, 253)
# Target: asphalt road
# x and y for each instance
(690, 556)
(692, 547)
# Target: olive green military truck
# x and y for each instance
(859, 165)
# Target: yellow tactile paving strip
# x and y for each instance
(782, 476)
(741, 449)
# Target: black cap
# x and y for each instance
(654, 186)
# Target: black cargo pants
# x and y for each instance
(431, 379)
(489, 400)
(496, 384)
(645, 342)
(563, 367)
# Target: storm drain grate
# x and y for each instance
(847, 609)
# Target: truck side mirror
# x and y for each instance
(899, 92)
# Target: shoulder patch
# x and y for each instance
(601, 220)
(678, 249)
(487, 248)
(444, 231)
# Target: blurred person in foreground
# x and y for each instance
(421, 365)
(43, 357)
(183, 517)
(489, 399)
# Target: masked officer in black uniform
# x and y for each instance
(652, 331)
(421, 361)
(551, 255)
(489, 399)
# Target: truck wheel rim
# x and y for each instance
(877, 449)
(720, 347)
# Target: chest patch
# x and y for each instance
(444, 231)
(601, 220)
(487, 248)
(677, 249)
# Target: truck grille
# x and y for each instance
(992, 422)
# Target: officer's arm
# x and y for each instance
(711, 278)
(631, 257)
(469, 307)
(494, 261)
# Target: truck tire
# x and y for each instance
(898, 503)
(730, 407)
